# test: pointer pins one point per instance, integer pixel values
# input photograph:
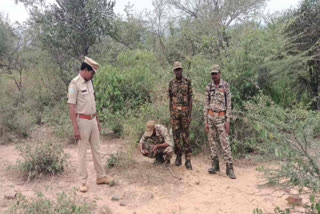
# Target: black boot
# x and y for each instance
(159, 159)
(215, 166)
(188, 164)
(178, 159)
(229, 171)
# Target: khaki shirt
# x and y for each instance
(161, 133)
(218, 99)
(81, 93)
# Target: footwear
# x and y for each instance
(167, 163)
(103, 180)
(159, 159)
(188, 164)
(178, 160)
(215, 166)
(83, 188)
(229, 171)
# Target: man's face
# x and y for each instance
(215, 76)
(178, 73)
(88, 75)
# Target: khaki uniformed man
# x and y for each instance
(180, 94)
(86, 126)
(156, 143)
(217, 114)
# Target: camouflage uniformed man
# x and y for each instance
(217, 114)
(156, 143)
(86, 126)
(180, 94)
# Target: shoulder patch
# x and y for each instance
(72, 91)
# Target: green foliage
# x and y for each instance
(127, 86)
(58, 34)
(278, 210)
(257, 211)
(289, 136)
(120, 160)
(7, 37)
(64, 204)
(301, 32)
(41, 158)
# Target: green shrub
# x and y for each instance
(125, 87)
(41, 158)
(58, 117)
(120, 160)
(42, 205)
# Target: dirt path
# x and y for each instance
(147, 189)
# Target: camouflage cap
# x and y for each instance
(150, 125)
(215, 68)
(95, 66)
(177, 65)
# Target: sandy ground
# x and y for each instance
(145, 188)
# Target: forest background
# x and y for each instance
(270, 61)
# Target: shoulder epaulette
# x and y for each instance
(75, 80)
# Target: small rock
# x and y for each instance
(112, 183)
(122, 204)
(294, 200)
(10, 195)
(115, 198)
(198, 182)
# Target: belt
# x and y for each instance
(216, 114)
(180, 107)
(87, 117)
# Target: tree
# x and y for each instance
(208, 20)
(68, 28)
(11, 43)
(303, 33)
(72, 26)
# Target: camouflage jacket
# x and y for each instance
(162, 136)
(180, 91)
(218, 99)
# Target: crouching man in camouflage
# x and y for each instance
(217, 112)
(156, 143)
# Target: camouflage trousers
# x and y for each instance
(218, 138)
(166, 152)
(180, 128)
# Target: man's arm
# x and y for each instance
(167, 142)
(141, 143)
(170, 97)
(98, 122)
(206, 107)
(228, 104)
(228, 108)
(73, 117)
(190, 100)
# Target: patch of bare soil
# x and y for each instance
(145, 188)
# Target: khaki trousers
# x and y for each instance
(89, 134)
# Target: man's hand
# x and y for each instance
(207, 128)
(99, 126)
(227, 127)
(144, 152)
(76, 134)
(154, 149)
